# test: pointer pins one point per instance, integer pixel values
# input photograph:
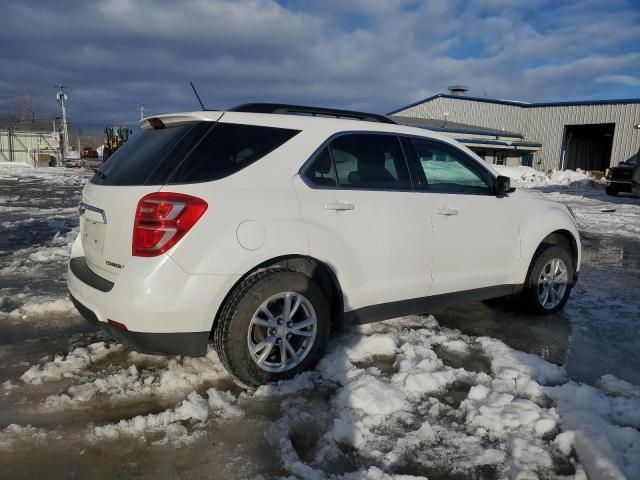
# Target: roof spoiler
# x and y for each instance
(282, 108)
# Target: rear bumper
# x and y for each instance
(192, 344)
(165, 310)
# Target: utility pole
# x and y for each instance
(141, 109)
(62, 100)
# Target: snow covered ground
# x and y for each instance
(481, 392)
(595, 211)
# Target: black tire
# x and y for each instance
(541, 259)
(230, 333)
(611, 190)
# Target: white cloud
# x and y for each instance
(620, 79)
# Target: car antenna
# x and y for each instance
(197, 96)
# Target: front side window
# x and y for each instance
(448, 171)
(370, 161)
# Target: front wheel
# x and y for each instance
(611, 190)
(550, 280)
(274, 325)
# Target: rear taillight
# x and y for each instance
(119, 325)
(162, 219)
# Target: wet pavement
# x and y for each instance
(598, 333)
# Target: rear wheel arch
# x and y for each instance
(317, 270)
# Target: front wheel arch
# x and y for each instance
(561, 238)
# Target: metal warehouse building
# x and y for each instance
(590, 135)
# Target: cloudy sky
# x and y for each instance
(372, 55)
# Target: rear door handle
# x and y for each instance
(447, 211)
(338, 206)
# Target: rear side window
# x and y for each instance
(228, 148)
(370, 161)
(321, 172)
(196, 152)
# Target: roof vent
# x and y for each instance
(458, 90)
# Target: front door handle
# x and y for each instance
(447, 211)
(339, 206)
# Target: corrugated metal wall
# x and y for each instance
(540, 124)
(25, 147)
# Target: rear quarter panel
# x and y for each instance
(262, 196)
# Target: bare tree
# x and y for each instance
(26, 112)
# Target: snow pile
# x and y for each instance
(178, 426)
(10, 170)
(192, 411)
(16, 171)
(523, 177)
(387, 398)
(520, 373)
(611, 385)
(407, 416)
(603, 430)
(528, 177)
(570, 177)
(70, 365)
(30, 260)
(13, 434)
(39, 307)
(147, 377)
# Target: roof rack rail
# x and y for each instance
(283, 108)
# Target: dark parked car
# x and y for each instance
(618, 178)
(635, 180)
(87, 152)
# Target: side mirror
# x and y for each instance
(503, 185)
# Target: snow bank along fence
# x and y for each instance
(34, 148)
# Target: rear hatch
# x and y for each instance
(141, 166)
(170, 150)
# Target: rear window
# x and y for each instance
(197, 152)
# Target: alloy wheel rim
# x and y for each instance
(282, 332)
(552, 283)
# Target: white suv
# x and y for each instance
(268, 226)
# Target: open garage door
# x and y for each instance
(588, 146)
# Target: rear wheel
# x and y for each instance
(273, 326)
(550, 279)
(611, 190)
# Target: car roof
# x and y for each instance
(326, 124)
